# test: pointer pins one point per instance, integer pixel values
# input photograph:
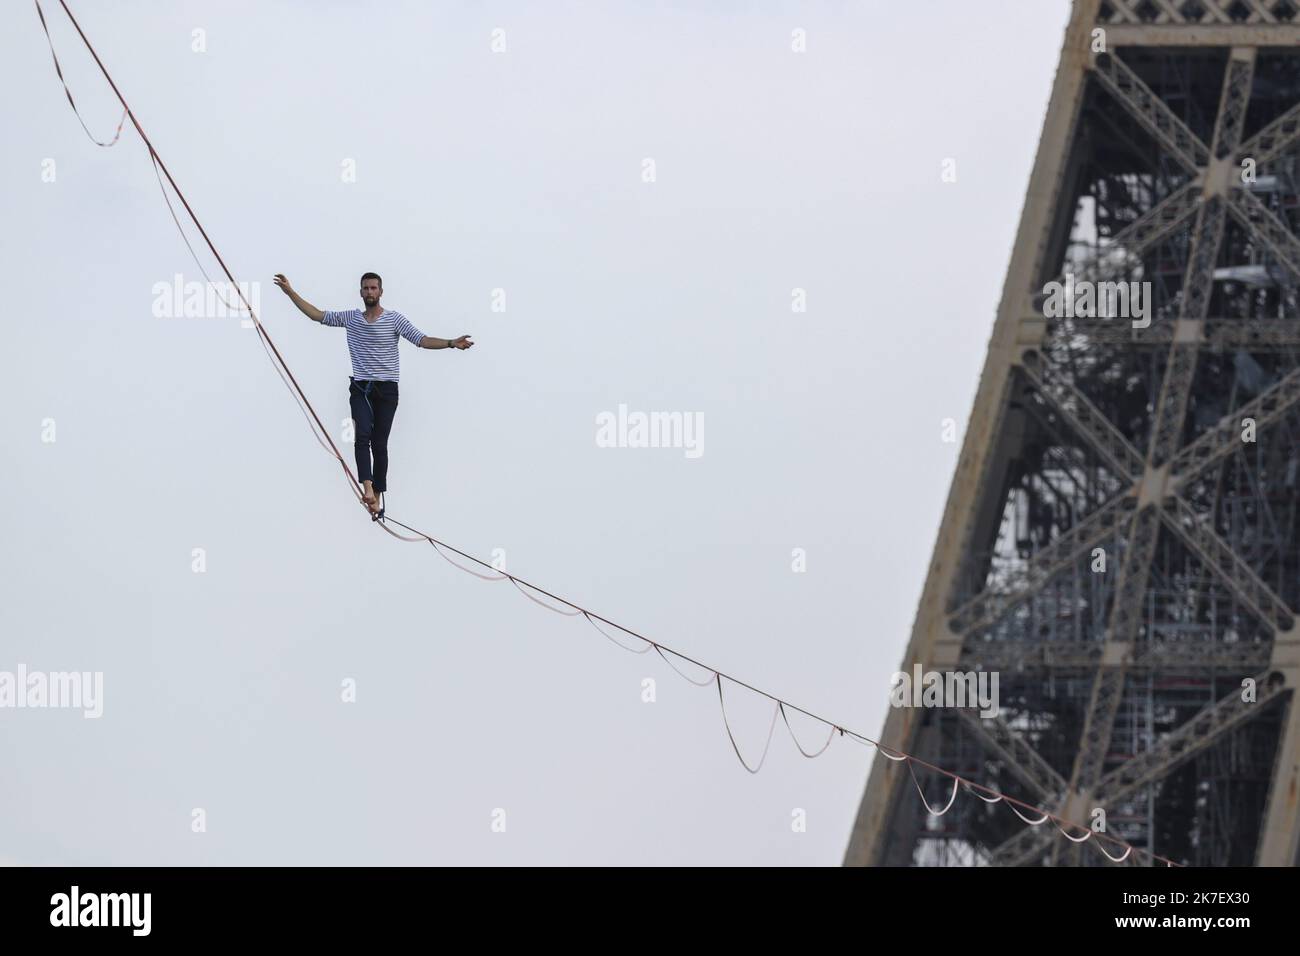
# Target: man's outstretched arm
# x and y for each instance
(430, 342)
(305, 307)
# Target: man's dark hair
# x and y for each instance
(372, 275)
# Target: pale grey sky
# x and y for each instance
(476, 170)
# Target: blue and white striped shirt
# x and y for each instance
(373, 345)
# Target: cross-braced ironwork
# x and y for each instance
(1122, 538)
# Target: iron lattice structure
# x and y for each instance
(1170, 156)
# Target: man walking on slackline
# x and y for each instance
(372, 392)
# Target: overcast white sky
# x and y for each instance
(519, 170)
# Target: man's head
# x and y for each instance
(372, 287)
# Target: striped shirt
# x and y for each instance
(373, 345)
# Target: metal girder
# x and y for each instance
(1198, 456)
(1120, 334)
(1184, 743)
(1151, 112)
(1126, 247)
(1041, 617)
(1279, 837)
(1213, 11)
(1198, 281)
(1255, 335)
(1189, 656)
(1184, 656)
(1267, 228)
(986, 607)
(1250, 335)
(1231, 119)
(1273, 140)
(1231, 569)
(1175, 389)
(870, 838)
(1134, 571)
(1107, 685)
(1214, 34)
(1017, 753)
(1191, 738)
(1086, 419)
(1126, 611)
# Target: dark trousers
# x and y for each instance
(374, 403)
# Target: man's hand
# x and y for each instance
(461, 343)
(305, 307)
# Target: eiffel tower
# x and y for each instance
(1121, 540)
